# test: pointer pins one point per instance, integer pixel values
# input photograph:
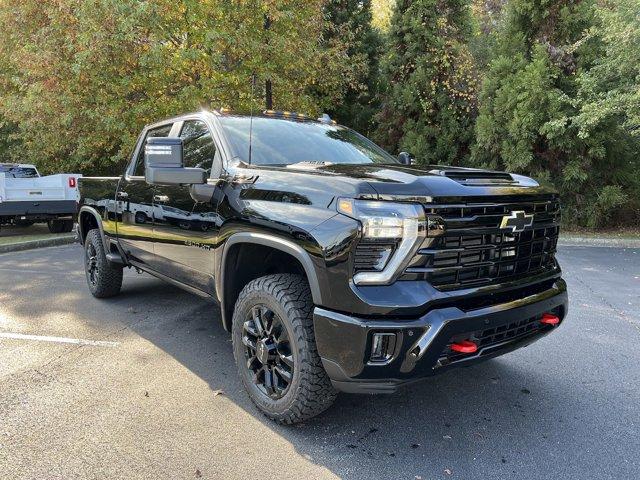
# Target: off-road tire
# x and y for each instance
(310, 391)
(60, 226)
(107, 280)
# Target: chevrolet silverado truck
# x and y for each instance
(337, 267)
(27, 198)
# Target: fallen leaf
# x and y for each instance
(198, 473)
(448, 471)
(217, 392)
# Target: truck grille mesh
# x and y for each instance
(493, 339)
(475, 251)
(371, 255)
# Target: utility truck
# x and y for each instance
(27, 198)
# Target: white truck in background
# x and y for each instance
(27, 198)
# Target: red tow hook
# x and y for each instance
(550, 319)
(464, 346)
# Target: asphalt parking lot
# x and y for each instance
(153, 392)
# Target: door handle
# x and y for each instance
(160, 198)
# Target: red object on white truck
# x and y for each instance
(27, 198)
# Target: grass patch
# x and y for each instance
(27, 238)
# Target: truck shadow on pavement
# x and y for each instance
(495, 413)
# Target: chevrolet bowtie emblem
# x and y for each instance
(517, 221)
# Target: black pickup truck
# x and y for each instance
(337, 266)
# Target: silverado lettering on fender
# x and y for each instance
(336, 265)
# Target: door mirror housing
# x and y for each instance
(164, 163)
(404, 158)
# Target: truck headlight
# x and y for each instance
(402, 224)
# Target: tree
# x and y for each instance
(349, 22)
(429, 98)
(532, 118)
(381, 11)
(81, 78)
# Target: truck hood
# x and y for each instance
(406, 181)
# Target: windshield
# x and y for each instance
(12, 171)
(277, 141)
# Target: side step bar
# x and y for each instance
(115, 258)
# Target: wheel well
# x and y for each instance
(246, 262)
(87, 222)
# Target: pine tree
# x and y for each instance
(349, 22)
(530, 109)
(429, 81)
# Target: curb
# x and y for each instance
(47, 242)
(578, 241)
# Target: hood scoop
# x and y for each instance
(472, 176)
(309, 165)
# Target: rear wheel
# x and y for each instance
(103, 277)
(275, 350)
(141, 218)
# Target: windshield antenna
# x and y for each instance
(253, 86)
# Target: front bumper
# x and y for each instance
(422, 344)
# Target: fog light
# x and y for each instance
(382, 347)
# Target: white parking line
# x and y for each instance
(42, 338)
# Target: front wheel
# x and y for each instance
(275, 350)
(103, 277)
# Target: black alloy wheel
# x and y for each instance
(268, 351)
(92, 265)
(275, 350)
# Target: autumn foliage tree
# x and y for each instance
(78, 79)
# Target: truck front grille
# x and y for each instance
(475, 251)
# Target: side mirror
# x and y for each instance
(405, 158)
(164, 163)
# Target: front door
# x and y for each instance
(186, 227)
(134, 207)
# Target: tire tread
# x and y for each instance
(315, 393)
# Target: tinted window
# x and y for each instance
(156, 132)
(197, 143)
(276, 141)
(11, 171)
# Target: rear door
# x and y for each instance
(185, 228)
(134, 205)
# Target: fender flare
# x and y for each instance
(278, 243)
(94, 212)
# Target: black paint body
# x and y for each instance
(258, 220)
